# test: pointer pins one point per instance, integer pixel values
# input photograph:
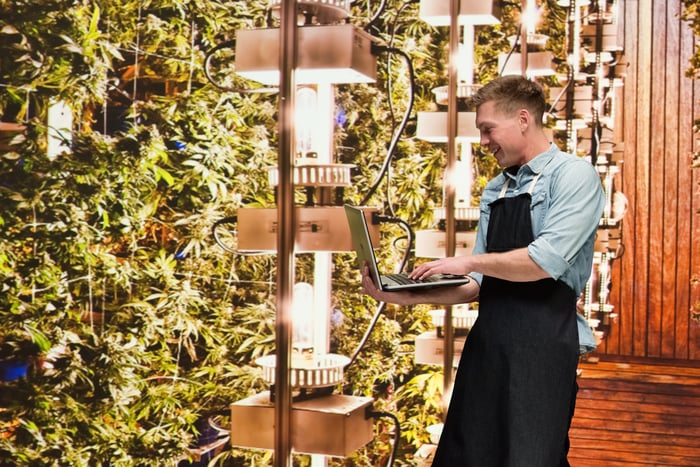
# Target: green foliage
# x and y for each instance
(137, 322)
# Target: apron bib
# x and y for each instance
(515, 387)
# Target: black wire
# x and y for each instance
(390, 42)
(368, 332)
(558, 98)
(411, 237)
(382, 305)
(402, 126)
(397, 433)
(512, 49)
(377, 14)
(556, 10)
(392, 36)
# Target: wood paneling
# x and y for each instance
(656, 283)
(636, 414)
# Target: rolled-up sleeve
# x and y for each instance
(548, 258)
(569, 217)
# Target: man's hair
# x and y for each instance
(511, 93)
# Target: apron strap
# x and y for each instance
(504, 188)
(532, 185)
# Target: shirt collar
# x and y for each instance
(536, 165)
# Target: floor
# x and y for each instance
(636, 414)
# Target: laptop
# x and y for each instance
(362, 242)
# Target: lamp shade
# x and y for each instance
(431, 243)
(538, 64)
(437, 12)
(432, 127)
(326, 54)
(582, 104)
(464, 92)
(609, 39)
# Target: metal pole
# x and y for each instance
(285, 235)
(523, 40)
(450, 192)
(323, 260)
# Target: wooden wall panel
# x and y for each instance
(655, 168)
(694, 273)
(656, 282)
(683, 323)
(667, 180)
(620, 333)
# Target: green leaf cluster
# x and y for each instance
(136, 321)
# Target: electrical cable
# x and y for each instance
(376, 219)
(368, 332)
(136, 66)
(402, 125)
(558, 98)
(555, 10)
(382, 305)
(512, 49)
(397, 432)
(392, 36)
(377, 14)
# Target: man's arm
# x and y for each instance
(515, 265)
(437, 296)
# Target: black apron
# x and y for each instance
(515, 387)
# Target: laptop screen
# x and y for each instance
(362, 241)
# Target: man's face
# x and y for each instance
(502, 135)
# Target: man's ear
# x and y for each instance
(524, 119)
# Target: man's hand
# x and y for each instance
(514, 265)
(437, 296)
(371, 289)
(457, 265)
(368, 285)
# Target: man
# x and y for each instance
(515, 387)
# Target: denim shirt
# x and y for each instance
(567, 203)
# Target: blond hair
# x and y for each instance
(512, 93)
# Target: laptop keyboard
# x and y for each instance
(403, 279)
(400, 279)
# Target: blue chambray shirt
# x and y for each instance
(567, 203)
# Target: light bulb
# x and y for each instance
(303, 318)
(306, 120)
